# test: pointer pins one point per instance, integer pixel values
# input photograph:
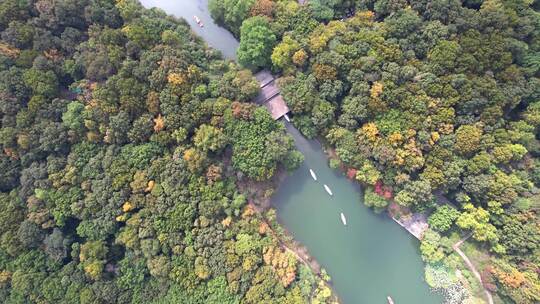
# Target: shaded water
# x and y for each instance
(370, 258)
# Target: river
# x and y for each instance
(370, 258)
(216, 36)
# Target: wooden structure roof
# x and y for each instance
(264, 77)
(277, 107)
(267, 92)
(270, 96)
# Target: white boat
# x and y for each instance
(343, 219)
(287, 119)
(328, 189)
(390, 301)
(313, 174)
(199, 22)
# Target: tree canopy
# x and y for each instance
(123, 140)
(432, 105)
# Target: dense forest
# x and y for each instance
(122, 141)
(434, 106)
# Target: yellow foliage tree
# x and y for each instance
(513, 279)
(194, 74)
(94, 269)
(226, 221)
(324, 72)
(152, 102)
(300, 57)
(127, 206)
(376, 90)
(5, 277)
(9, 51)
(283, 263)
(362, 19)
(159, 123)
(395, 138)
(194, 159)
(150, 186)
(248, 211)
(176, 79)
(370, 131)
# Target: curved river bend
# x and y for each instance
(371, 257)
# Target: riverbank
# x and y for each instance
(259, 196)
(300, 252)
(416, 224)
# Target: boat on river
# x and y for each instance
(343, 219)
(313, 174)
(328, 190)
(390, 301)
(198, 20)
(287, 118)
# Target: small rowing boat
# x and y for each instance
(343, 219)
(328, 189)
(287, 117)
(199, 22)
(390, 301)
(313, 174)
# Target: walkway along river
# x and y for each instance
(370, 258)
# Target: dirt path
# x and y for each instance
(471, 266)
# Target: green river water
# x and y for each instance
(370, 258)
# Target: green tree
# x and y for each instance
(518, 236)
(282, 55)
(443, 56)
(293, 160)
(208, 138)
(468, 139)
(230, 13)
(324, 10)
(73, 118)
(92, 257)
(41, 82)
(372, 199)
(11, 10)
(430, 247)
(256, 43)
(415, 193)
(323, 114)
(30, 234)
(477, 220)
(443, 218)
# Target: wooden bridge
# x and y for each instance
(270, 95)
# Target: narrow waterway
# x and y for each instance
(370, 258)
(214, 35)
